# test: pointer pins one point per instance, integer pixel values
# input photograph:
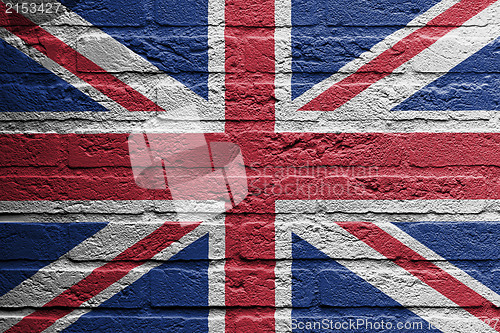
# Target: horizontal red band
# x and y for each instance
(280, 166)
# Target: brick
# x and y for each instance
(174, 54)
(18, 95)
(297, 151)
(120, 323)
(241, 320)
(42, 286)
(76, 188)
(319, 54)
(13, 19)
(178, 287)
(174, 13)
(90, 151)
(307, 13)
(495, 275)
(134, 296)
(453, 92)
(108, 13)
(354, 150)
(392, 187)
(105, 186)
(31, 150)
(42, 241)
(306, 295)
(459, 240)
(111, 242)
(338, 289)
(263, 204)
(252, 285)
(251, 51)
(355, 13)
(252, 94)
(439, 150)
(11, 56)
(101, 45)
(243, 106)
(250, 13)
(257, 240)
(328, 237)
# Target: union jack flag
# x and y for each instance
(369, 132)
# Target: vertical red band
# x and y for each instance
(250, 65)
(250, 279)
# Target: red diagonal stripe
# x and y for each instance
(103, 277)
(417, 265)
(64, 55)
(62, 167)
(404, 50)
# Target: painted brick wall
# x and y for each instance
(428, 175)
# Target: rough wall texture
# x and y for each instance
(384, 210)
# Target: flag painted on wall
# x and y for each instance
(365, 130)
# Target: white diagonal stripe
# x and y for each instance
(407, 290)
(61, 274)
(375, 51)
(130, 68)
(440, 262)
(116, 58)
(117, 120)
(283, 53)
(44, 285)
(323, 233)
(373, 114)
(60, 71)
(429, 65)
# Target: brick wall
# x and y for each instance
(419, 171)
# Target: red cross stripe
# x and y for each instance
(411, 166)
